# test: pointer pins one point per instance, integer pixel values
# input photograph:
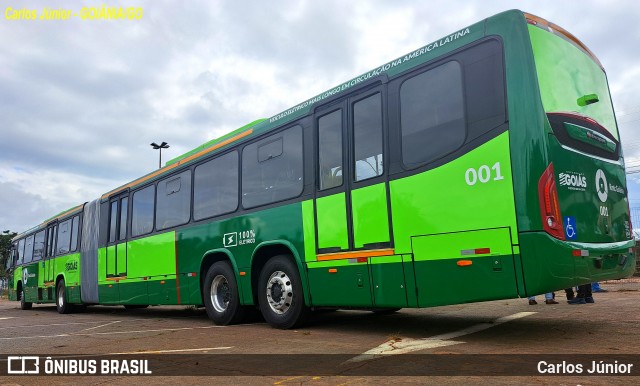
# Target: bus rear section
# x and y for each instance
(586, 232)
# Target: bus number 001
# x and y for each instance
(483, 174)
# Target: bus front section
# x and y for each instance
(585, 230)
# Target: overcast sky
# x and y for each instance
(80, 101)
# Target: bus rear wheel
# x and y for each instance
(280, 293)
(24, 305)
(221, 296)
(62, 305)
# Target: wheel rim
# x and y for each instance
(60, 297)
(279, 292)
(220, 293)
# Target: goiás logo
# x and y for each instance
(573, 181)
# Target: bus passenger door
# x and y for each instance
(351, 208)
(116, 257)
(48, 261)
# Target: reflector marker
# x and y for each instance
(580, 252)
(193, 274)
(356, 254)
(477, 251)
(333, 270)
(464, 263)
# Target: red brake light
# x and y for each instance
(549, 205)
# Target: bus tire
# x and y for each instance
(221, 295)
(24, 305)
(62, 305)
(280, 293)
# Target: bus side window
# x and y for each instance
(142, 210)
(173, 201)
(74, 233)
(38, 247)
(28, 249)
(64, 237)
(215, 187)
(330, 149)
(432, 114)
(367, 141)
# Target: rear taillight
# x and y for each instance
(549, 205)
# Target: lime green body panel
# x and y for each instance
(309, 228)
(152, 256)
(141, 271)
(443, 200)
(43, 276)
(566, 74)
(370, 215)
(332, 222)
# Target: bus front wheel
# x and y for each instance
(221, 296)
(280, 293)
(24, 305)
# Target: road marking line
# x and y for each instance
(8, 317)
(288, 379)
(53, 324)
(168, 351)
(102, 325)
(406, 345)
(119, 332)
(481, 326)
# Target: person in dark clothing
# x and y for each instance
(584, 295)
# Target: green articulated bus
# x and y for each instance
(485, 165)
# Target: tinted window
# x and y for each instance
(51, 241)
(367, 133)
(432, 114)
(113, 221)
(174, 201)
(74, 233)
(28, 249)
(270, 150)
(124, 208)
(12, 257)
(330, 149)
(215, 187)
(38, 246)
(142, 212)
(64, 237)
(272, 177)
(20, 251)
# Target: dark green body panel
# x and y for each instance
(276, 226)
(550, 264)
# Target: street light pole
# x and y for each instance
(161, 146)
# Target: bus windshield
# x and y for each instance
(570, 80)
